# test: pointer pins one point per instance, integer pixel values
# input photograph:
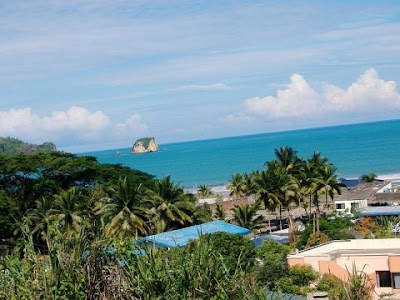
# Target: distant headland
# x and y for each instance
(11, 146)
(144, 145)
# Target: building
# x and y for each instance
(378, 258)
(181, 237)
(360, 196)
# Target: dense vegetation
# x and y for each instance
(12, 146)
(288, 181)
(70, 225)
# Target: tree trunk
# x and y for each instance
(310, 206)
(292, 237)
(280, 216)
(326, 200)
(318, 213)
(313, 222)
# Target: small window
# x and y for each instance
(396, 280)
(355, 205)
(340, 206)
(383, 279)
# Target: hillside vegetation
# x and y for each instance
(12, 146)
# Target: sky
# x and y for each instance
(93, 75)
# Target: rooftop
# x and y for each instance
(361, 191)
(353, 247)
(181, 237)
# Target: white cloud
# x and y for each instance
(77, 125)
(205, 87)
(132, 126)
(297, 99)
(369, 94)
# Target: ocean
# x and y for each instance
(354, 149)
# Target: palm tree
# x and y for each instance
(219, 212)
(311, 175)
(68, 210)
(368, 177)
(204, 191)
(276, 188)
(328, 182)
(246, 216)
(124, 211)
(170, 206)
(288, 159)
(39, 217)
(237, 186)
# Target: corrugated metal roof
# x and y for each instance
(374, 211)
(180, 237)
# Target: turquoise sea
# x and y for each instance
(354, 149)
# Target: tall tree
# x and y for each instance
(246, 216)
(328, 183)
(39, 217)
(204, 191)
(124, 211)
(170, 206)
(69, 210)
(312, 170)
(368, 177)
(237, 186)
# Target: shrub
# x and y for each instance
(302, 275)
(235, 250)
(316, 239)
(274, 266)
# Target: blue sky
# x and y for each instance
(99, 74)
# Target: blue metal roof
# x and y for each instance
(374, 211)
(181, 237)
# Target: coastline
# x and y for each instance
(222, 188)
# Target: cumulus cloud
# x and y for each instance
(75, 125)
(76, 120)
(298, 99)
(367, 94)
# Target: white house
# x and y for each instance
(358, 196)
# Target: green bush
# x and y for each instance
(334, 229)
(273, 266)
(316, 239)
(302, 275)
(235, 250)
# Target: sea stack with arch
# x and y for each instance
(144, 145)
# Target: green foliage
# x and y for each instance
(273, 266)
(12, 146)
(329, 283)
(316, 239)
(302, 275)
(144, 141)
(246, 216)
(358, 286)
(335, 230)
(204, 191)
(298, 280)
(368, 177)
(237, 251)
(196, 272)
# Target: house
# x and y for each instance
(181, 237)
(359, 196)
(378, 258)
